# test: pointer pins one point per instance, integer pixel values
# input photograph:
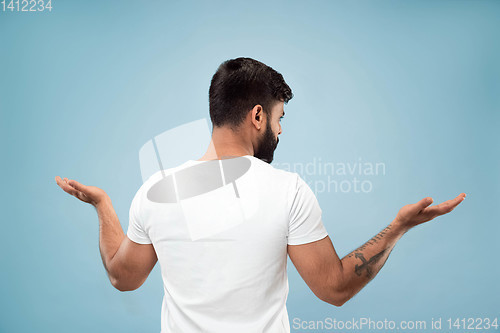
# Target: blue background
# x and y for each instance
(415, 85)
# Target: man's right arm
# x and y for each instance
(127, 263)
(336, 281)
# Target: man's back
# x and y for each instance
(224, 265)
(222, 231)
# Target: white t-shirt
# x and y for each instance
(224, 267)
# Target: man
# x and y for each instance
(234, 279)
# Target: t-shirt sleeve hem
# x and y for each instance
(308, 239)
(136, 239)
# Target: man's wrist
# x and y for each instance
(103, 202)
(399, 227)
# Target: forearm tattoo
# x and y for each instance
(368, 265)
(358, 269)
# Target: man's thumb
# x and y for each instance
(425, 202)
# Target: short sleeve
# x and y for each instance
(136, 231)
(305, 221)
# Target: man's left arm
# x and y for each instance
(336, 281)
(361, 265)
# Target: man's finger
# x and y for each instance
(80, 187)
(68, 189)
(445, 207)
(62, 184)
(71, 188)
(449, 205)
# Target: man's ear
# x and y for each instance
(257, 116)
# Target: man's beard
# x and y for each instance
(267, 145)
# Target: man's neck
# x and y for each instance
(226, 144)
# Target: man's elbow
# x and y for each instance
(123, 288)
(335, 301)
(119, 285)
(337, 298)
(339, 302)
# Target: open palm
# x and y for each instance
(89, 194)
(420, 212)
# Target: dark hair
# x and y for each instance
(240, 84)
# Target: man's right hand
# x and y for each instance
(89, 194)
(420, 212)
